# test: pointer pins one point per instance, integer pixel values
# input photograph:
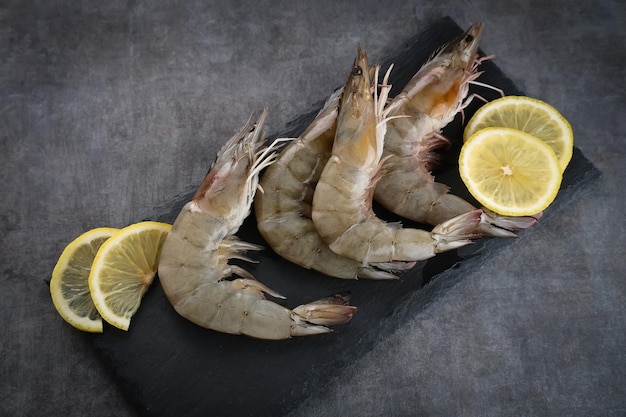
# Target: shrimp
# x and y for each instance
(193, 266)
(342, 202)
(283, 209)
(429, 102)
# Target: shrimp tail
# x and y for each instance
(496, 225)
(312, 318)
(458, 231)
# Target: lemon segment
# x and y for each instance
(124, 269)
(69, 286)
(510, 172)
(529, 115)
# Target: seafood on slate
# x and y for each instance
(283, 210)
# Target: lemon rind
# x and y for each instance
(82, 323)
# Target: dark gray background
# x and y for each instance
(109, 109)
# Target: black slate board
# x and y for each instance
(167, 366)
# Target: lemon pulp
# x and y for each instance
(124, 269)
(510, 172)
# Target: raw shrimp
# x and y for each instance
(342, 202)
(429, 102)
(193, 266)
(283, 209)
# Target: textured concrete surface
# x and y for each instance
(110, 108)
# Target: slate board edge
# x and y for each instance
(419, 300)
(414, 304)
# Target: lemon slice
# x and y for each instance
(528, 115)
(510, 172)
(123, 270)
(69, 287)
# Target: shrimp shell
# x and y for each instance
(193, 266)
(342, 202)
(283, 210)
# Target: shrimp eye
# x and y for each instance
(357, 71)
(469, 38)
